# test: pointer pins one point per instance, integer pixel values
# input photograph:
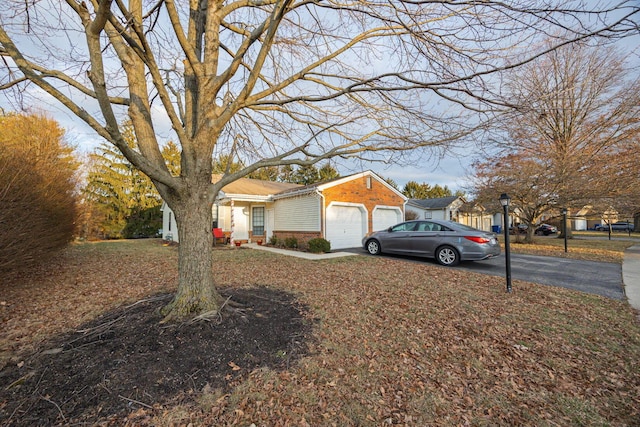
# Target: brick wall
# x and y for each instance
(356, 191)
(302, 236)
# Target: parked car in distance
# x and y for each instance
(447, 241)
(545, 229)
(616, 226)
(520, 229)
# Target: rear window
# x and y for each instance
(466, 227)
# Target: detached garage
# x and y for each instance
(349, 208)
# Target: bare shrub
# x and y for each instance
(37, 191)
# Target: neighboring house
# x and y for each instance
(453, 208)
(609, 216)
(446, 208)
(342, 210)
(476, 216)
(515, 218)
(579, 221)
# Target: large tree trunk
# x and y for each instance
(196, 293)
(528, 238)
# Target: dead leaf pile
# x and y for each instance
(394, 343)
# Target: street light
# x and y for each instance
(504, 201)
(564, 227)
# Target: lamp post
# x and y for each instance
(564, 227)
(504, 201)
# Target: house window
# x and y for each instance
(170, 215)
(427, 215)
(258, 221)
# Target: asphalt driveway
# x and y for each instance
(600, 278)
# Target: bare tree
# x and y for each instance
(525, 179)
(577, 105)
(574, 127)
(277, 82)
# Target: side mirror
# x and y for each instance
(389, 230)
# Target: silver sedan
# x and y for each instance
(447, 241)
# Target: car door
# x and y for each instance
(425, 238)
(396, 239)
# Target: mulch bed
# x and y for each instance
(126, 362)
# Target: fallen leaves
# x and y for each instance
(77, 286)
(396, 343)
(578, 248)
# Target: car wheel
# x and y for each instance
(373, 247)
(447, 256)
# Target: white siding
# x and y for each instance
(169, 226)
(297, 214)
(224, 218)
(439, 214)
(428, 213)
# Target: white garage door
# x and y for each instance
(346, 226)
(384, 218)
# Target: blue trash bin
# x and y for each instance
(496, 229)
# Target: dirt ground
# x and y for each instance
(126, 363)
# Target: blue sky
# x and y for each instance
(449, 170)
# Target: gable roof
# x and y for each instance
(436, 203)
(320, 186)
(255, 187)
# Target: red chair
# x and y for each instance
(218, 234)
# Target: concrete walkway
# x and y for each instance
(631, 275)
(298, 254)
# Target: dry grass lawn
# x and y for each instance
(395, 343)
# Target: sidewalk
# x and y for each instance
(631, 275)
(298, 254)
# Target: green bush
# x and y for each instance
(273, 241)
(143, 223)
(291, 242)
(319, 245)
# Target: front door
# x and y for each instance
(240, 216)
